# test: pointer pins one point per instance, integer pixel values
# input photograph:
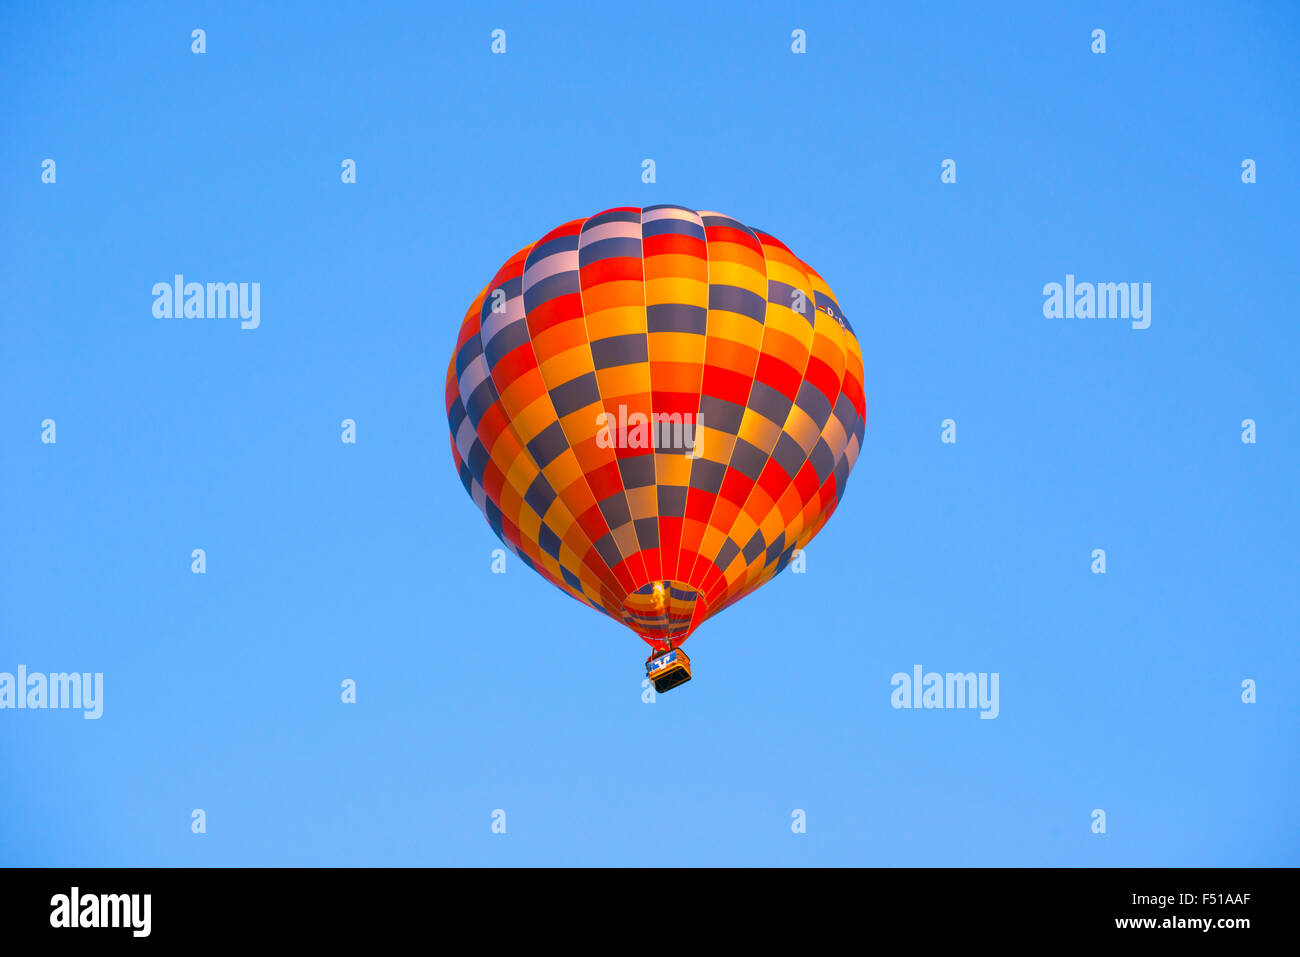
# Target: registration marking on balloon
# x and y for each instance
(651, 317)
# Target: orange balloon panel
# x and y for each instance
(654, 408)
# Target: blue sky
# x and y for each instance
(476, 691)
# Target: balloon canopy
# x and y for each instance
(655, 409)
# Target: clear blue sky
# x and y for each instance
(477, 691)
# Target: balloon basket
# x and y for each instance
(668, 669)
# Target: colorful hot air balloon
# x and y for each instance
(655, 408)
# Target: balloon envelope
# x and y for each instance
(654, 409)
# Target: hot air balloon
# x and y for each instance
(655, 409)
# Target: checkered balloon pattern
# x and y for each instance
(655, 408)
